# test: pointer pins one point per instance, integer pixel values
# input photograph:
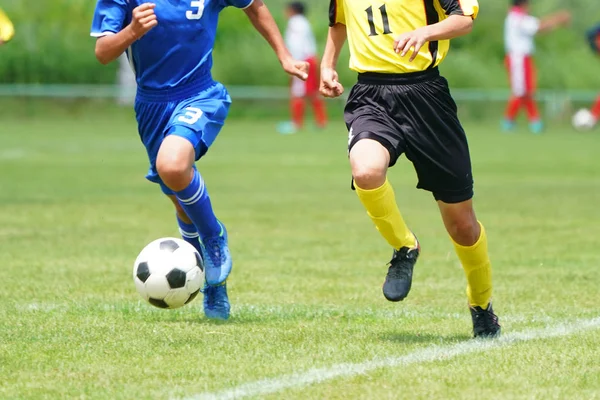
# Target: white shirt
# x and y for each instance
(299, 38)
(519, 32)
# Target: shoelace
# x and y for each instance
(213, 245)
(210, 293)
(400, 265)
(485, 319)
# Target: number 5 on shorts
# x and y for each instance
(191, 115)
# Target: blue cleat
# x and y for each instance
(216, 257)
(508, 125)
(536, 127)
(216, 302)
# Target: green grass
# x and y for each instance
(306, 287)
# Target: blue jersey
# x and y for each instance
(177, 53)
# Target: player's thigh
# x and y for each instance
(153, 119)
(374, 136)
(199, 119)
(517, 73)
(312, 82)
(436, 142)
(298, 87)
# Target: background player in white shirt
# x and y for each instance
(301, 43)
(520, 29)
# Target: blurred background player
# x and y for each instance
(7, 30)
(520, 29)
(301, 43)
(180, 109)
(593, 36)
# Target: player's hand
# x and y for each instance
(295, 68)
(143, 19)
(564, 17)
(330, 85)
(411, 40)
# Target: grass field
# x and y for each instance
(308, 319)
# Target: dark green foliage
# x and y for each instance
(52, 46)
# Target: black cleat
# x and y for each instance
(399, 277)
(485, 322)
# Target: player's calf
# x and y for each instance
(175, 166)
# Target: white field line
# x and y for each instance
(428, 354)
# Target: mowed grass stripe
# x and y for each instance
(428, 354)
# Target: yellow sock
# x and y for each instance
(478, 268)
(382, 208)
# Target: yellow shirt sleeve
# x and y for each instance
(7, 30)
(460, 7)
(337, 14)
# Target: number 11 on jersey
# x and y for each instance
(384, 18)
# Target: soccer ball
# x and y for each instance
(583, 120)
(168, 273)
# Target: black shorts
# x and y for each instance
(414, 114)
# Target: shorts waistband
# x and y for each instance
(376, 78)
(177, 93)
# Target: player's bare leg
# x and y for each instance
(470, 242)
(175, 166)
(369, 161)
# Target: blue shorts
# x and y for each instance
(198, 118)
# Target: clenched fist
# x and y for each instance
(143, 19)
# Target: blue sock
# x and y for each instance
(196, 203)
(189, 233)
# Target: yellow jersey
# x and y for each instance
(373, 25)
(7, 30)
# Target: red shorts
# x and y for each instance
(309, 87)
(522, 74)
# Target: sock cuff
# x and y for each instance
(193, 192)
(480, 240)
(187, 230)
(374, 192)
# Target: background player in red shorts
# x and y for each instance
(594, 39)
(519, 31)
(300, 41)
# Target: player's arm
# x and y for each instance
(330, 85)
(111, 45)
(7, 30)
(459, 22)
(263, 21)
(553, 21)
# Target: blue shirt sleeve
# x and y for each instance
(237, 3)
(109, 17)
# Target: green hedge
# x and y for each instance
(52, 45)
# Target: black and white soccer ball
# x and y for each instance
(168, 273)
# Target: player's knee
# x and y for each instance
(369, 161)
(368, 177)
(174, 172)
(174, 163)
(464, 229)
